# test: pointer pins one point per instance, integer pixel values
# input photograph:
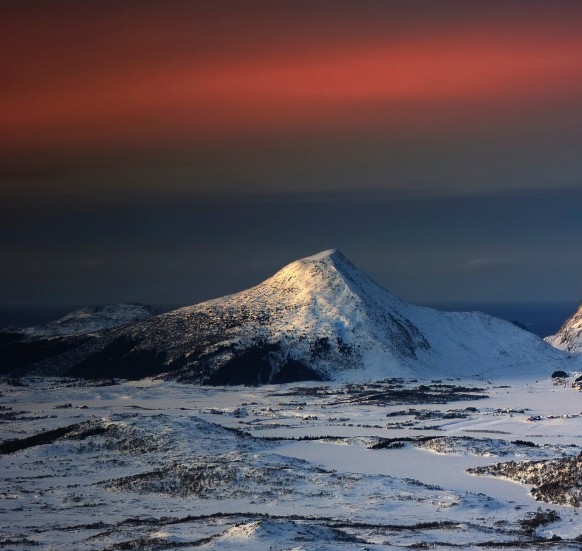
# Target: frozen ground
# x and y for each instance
(160, 465)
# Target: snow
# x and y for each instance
(222, 468)
(325, 296)
(323, 313)
(375, 458)
(569, 337)
(323, 255)
(429, 468)
(317, 318)
(90, 320)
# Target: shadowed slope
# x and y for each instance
(317, 318)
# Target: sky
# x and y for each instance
(168, 152)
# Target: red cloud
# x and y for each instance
(103, 85)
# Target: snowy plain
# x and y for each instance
(380, 465)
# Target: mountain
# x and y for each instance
(318, 318)
(91, 319)
(569, 337)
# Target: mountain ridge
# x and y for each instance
(318, 318)
(91, 319)
(569, 336)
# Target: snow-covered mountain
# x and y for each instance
(91, 319)
(569, 337)
(317, 318)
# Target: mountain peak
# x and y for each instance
(326, 274)
(331, 258)
(317, 318)
(569, 337)
(329, 254)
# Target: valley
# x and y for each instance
(376, 465)
(314, 411)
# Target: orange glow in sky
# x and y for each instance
(110, 89)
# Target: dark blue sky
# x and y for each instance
(166, 153)
(505, 252)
